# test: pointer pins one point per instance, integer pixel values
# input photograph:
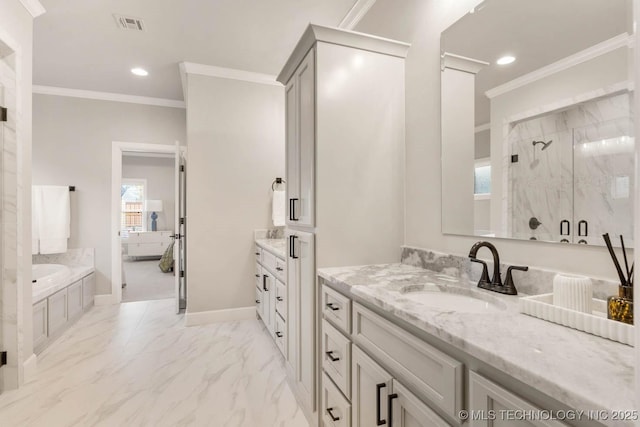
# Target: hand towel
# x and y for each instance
(54, 219)
(278, 205)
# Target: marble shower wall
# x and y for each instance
(585, 174)
(9, 293)
(73, 258)
(533, 282)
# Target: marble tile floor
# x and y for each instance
(136, 364)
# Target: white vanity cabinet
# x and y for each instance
(271, 295)
(147, 243)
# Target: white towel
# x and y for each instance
(54, 219)
(278, 208)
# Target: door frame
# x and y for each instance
(117, 150)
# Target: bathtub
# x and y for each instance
(48, 274)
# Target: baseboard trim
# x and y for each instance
(216, 316)
(103, 300)
(30, 368)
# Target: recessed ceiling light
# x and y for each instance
(506, 60)
(140, 72)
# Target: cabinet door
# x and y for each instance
(305, 74)
(370, 386)
(496, 404)
(266, 300)
(259, 301)
(292, 147)
(57, 311)
(302, 312)
(39, 325)
(406, 410)
(74, 299)
(88, 290)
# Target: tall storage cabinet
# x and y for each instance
(345, 172)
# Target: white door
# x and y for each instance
(180, 244)
(371, 386)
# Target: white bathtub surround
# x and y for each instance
(533, 282)
(136, 364)
(72, 257)
(50, 218)
(581, 371)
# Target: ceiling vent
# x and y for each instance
(129, 22)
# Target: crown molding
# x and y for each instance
(355, 14)
(34, 7)
(107, 96)
(621, 40)
(226, 73)
(461, 63)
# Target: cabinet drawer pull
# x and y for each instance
(390, 407)
(331, 306)
(279, 268)
(264, 283)
(257, 301)
(279, 334)
(257, 275)
(379, 387)
(257, 253)
(331, 356)
(280, 299)
(333, 417)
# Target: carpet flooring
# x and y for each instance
(146, 282)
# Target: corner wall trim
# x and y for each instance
(355, 14)
(107, 96)
(34, 7)
(228, 73)
(585, 55)
(30, 367)
(216, 316)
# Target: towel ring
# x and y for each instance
(277, 181)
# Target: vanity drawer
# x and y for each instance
(434, 375)
(335, 410)
(337, 308)
(336, 357)
(258, 252)
(281, 335)
(281, 269)
(281, 299)
(269, 260)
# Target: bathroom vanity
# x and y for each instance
(397, 343)
(271, 289)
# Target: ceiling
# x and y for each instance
(537, 33)
(78, 45)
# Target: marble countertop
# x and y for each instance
(77, 272)
(583, 371)
(278, 247)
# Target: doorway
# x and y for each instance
(148, 223)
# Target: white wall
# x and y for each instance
(16, 30)
(159, 173)
(72, 141)
(235, 132)
(427, 19)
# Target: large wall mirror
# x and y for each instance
(537, 131)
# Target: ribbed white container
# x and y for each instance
(573, 292)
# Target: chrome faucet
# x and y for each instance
(495, 284)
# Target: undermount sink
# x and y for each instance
(453, 299)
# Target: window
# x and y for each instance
(482, 179)
(133, 195)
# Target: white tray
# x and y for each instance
(596, 323)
